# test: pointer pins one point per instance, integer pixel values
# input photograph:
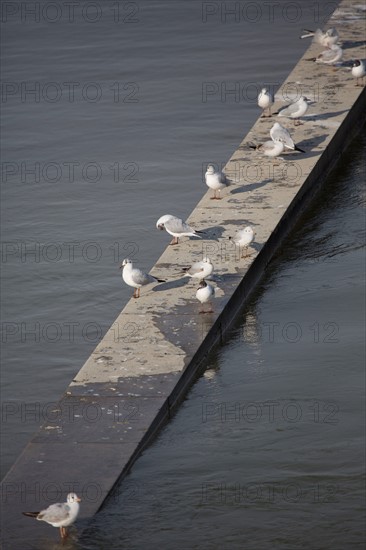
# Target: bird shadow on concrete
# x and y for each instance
(347, 44)
(173, 283)
(240, 223)
(250, 187)
(309, 144)
(324, 116)
(212, 233)
(257, 246)
(313, 141)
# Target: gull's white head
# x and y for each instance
(161, 221)
(72, 497)
(248, 230)
(332, 32)
(210, 169)
(125, 262)
(276, 126)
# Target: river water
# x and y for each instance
(108, 124)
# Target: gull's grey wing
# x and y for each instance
(283, 135)
(196, 268)
(141, 278)
(266, 145)
(238, 236)
(55, 513)
(327, 55)
(178, 226)
(222, 177)
(289, 109)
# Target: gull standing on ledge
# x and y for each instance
(279, 133)
(216, 180)
(265, 101)
(61, 514)
(176, 227)
(358, 70)
(296, 109)
(243, 239)
(199, 270)
(204, 294)
(136, 278)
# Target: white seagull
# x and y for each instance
(136, 278)
(358, 70)
(296, 109)
(176, 227)
(216, 180)
(279, 133)
(270, 148)
(204, 294)
(327, 38)
(199, 270)
(61, 514)
(265, 100)
(243, 239)
(330, 56)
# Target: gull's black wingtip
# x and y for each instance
(30, 514)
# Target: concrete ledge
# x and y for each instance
(145, 364)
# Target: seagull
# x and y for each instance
(199, 270)
(270, 148)
(327, 38)
(176, 227)
(204, 294)
(216, 180)
(136, 278)
(296, 109)
(59, 515)
(330, 56)
(265, 100)
(279, 133)
(243, 239)
(358, 70)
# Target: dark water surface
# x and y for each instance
(266, 450)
